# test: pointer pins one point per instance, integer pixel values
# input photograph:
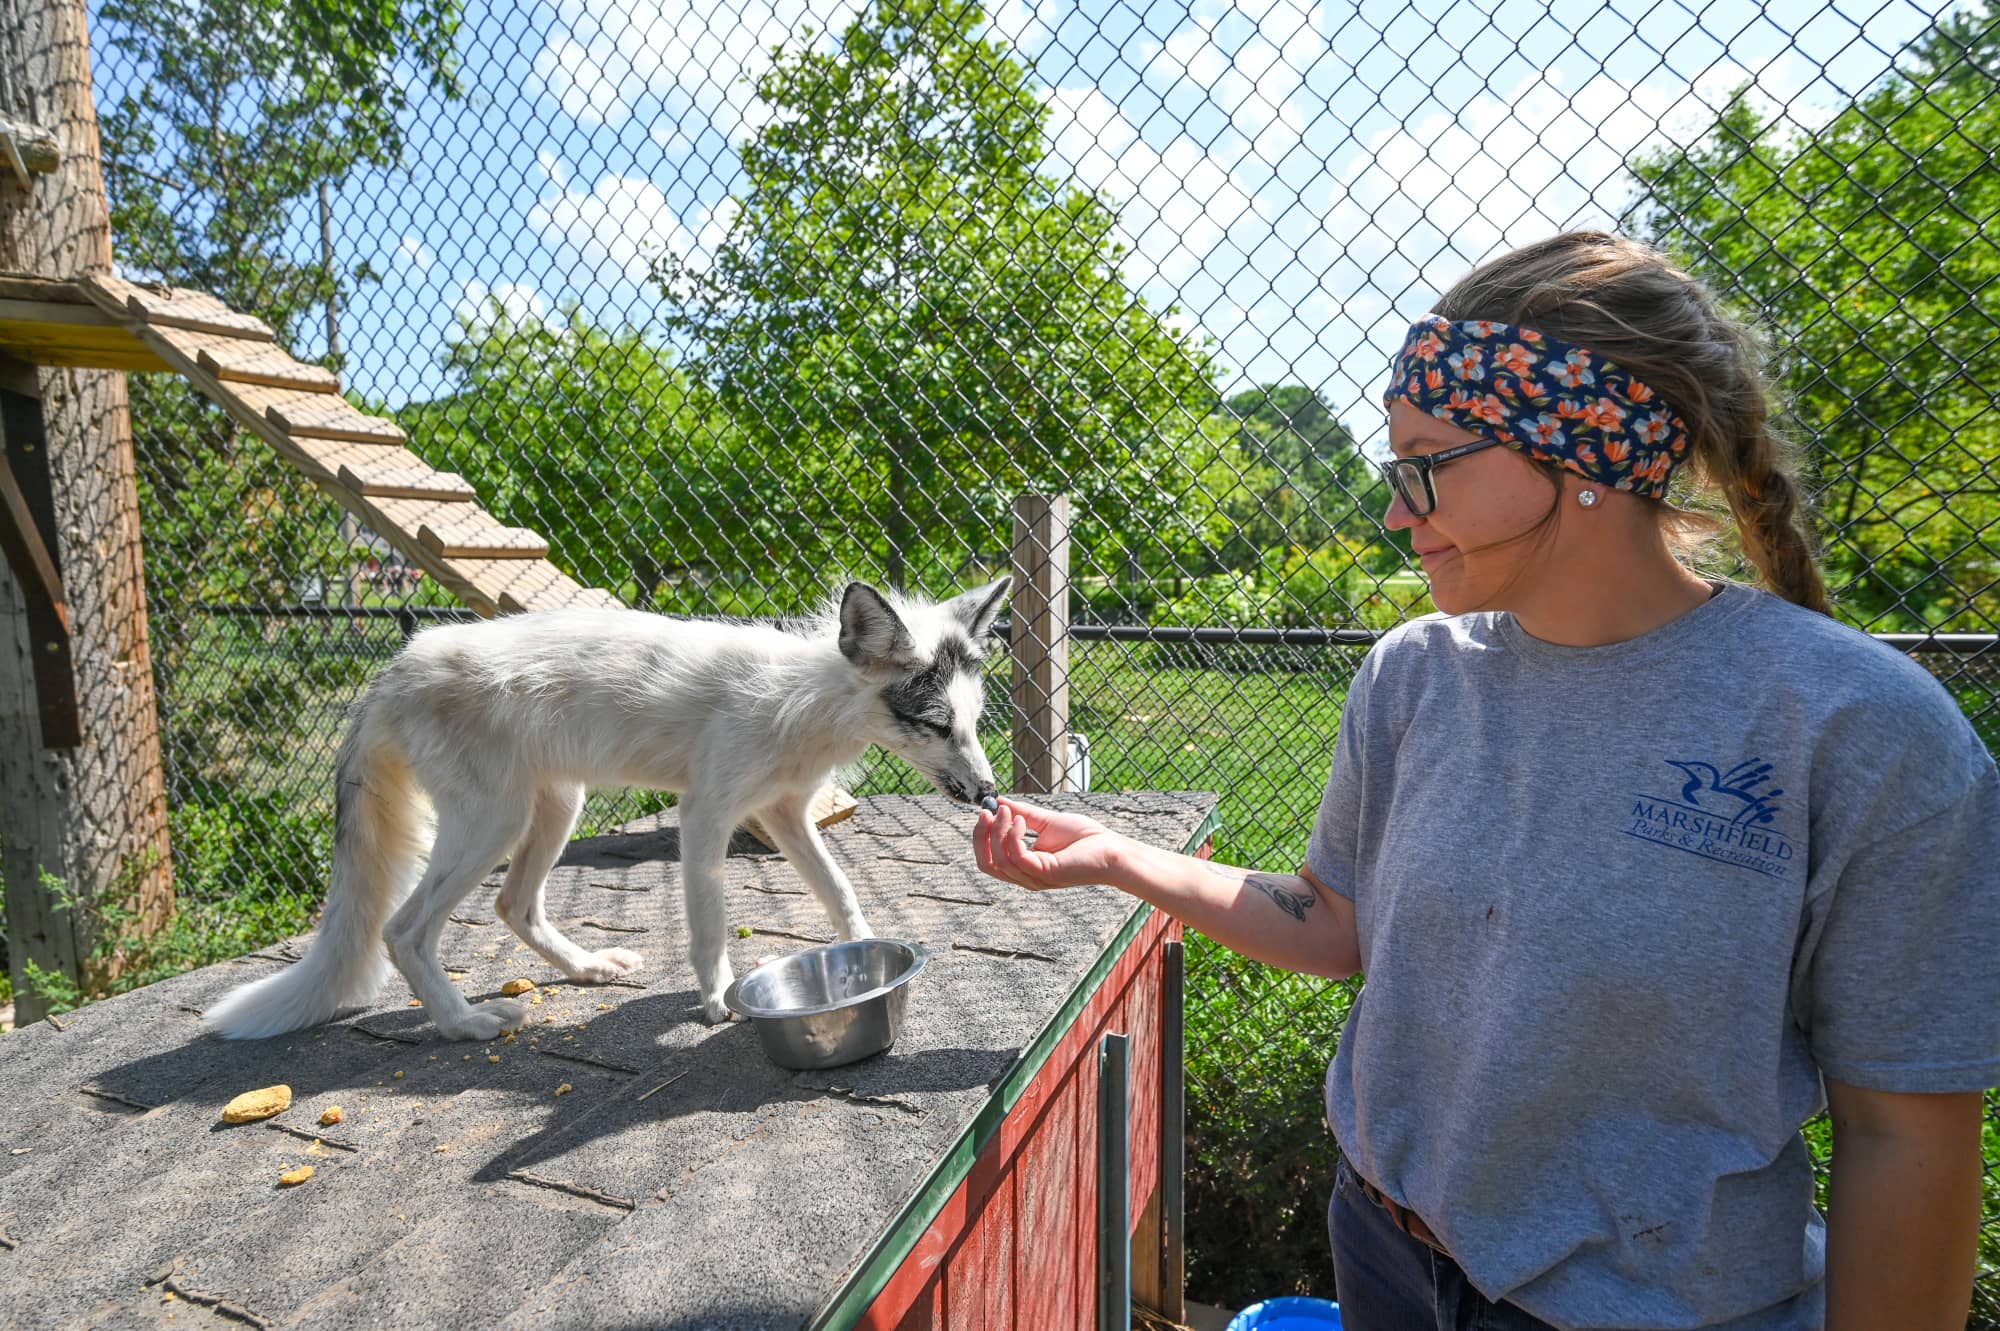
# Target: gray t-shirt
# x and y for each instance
(1619, 908)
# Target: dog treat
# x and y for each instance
(253, 1105)
(564, 1089)
(332, 1116)
(520, 986)
(990, 804)
(297, 1176)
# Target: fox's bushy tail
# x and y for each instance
(381, 829)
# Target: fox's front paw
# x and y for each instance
(715, 1012)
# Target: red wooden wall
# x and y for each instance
(1015, 1247)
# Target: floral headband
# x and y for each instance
(1552, 400)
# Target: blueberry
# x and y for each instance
(990, 804)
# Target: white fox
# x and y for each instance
(501, 725)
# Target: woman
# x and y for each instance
(1642, 868)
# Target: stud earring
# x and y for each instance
(1586, 497)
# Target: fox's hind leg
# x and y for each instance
(471, 839)
(792, 829)
(520, 899)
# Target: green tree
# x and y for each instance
(593, 437)
(238, 110)
(1871, 246)
(1310, 481)
(908, 310)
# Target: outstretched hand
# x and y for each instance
(1069, 849)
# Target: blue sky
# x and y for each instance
(1298, 179)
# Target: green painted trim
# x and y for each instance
(883, 1261)
(1211, 823)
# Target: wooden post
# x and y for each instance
(1040, 613)
(94, 815)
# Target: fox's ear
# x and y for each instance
(978, 608)
(872, 635)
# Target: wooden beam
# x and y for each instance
(28, 535)
(44, 332)
(18, 376)
(1040, 616)
(40, 153)
(17, 285)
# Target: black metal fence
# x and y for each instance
(731, 303)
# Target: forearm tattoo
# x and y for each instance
(1282, 889)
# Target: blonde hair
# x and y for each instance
(1630, 302)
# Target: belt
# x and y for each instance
(1402, 1217)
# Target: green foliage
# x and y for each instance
(226, 520)
(1290, 587)
(915, 325)
(1872, 246)
(1301, 479)
(592, 436)
(228, 901)
(1260, 1159)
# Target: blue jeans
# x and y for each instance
(1387, 1281)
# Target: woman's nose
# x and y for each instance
(1398, 515)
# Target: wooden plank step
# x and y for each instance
(403, 481)
(479, 540)
(322, 459)
(233, 361)
(333, 454)
(561, 593)
(517, 585)
(177, 307)
(319, 416)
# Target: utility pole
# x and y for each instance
(332, 283)
(82, 789)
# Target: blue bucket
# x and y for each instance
(1294, 1312)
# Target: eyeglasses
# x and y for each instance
(1410, 477)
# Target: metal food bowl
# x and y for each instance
(829, 1005)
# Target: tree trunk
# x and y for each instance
(93, 816)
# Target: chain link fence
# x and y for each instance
(735, 302)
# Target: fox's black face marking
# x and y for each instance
(921, 703)
(936, 714)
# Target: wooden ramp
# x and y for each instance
(360, 461)
(433, 517)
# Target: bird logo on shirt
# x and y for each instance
(1739, 783)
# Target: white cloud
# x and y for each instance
(608, 62)
(1023, 26)
(517, 302)
(616, 229)
(415, 253)
(1174, 204)
(578, 78)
